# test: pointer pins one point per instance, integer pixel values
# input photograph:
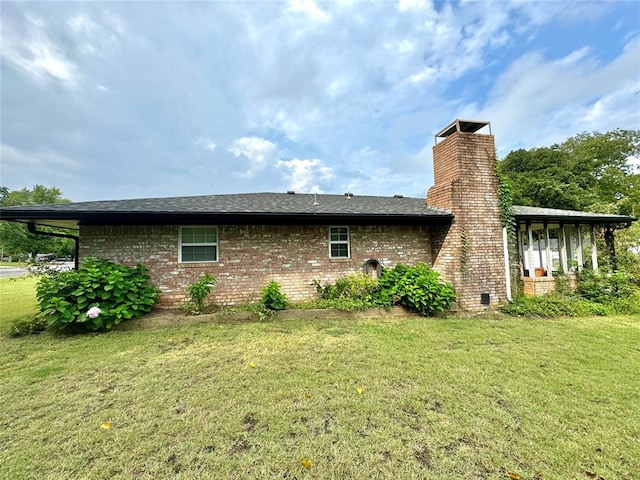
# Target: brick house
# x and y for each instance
(247, 240)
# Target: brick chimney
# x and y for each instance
(469, 253)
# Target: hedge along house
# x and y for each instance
(247, 240)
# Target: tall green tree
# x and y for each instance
(587, 170)
(15, 240)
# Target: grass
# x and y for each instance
(14, 264)
(379, 398)
(17, 299)
(452, 398)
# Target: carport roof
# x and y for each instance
(524, 213)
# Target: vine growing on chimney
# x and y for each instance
(505, 196)
(464, 251)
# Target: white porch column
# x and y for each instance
(532, 273)
(563, 250)
(548, 250)
(594, 249)
(580, 247)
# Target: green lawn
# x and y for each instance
(17, 299)
(381, 398)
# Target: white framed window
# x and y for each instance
(198, 243)
(339, 242)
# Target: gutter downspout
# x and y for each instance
(31, 227)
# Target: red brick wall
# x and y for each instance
(251, 256)
(534, 286)
(470, 254)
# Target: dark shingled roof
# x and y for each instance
(234, 208)
(557, 215)
(262, 208)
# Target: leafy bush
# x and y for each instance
(598, 294)
(273, 298)
(356, 287)
(417, 288)
(28, 326)
(554, 305)
(97, 296)
(606, 288)
(627, 305)
(199, 291)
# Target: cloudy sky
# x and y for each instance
(110, 100)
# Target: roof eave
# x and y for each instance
(604, 219)
(175, 218)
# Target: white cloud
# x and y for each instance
(82, 23)
(308, 8)
(427, 74)
(414, 5)
(536, 101)
(36, 55)
(574, 57)
(257, 150)
(206, 143)
(305, 174)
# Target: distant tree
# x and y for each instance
(15, 240)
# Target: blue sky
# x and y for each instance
(111, 100)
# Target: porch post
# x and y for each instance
(580, 247)
(530, 250)
(563, 250)
(548, 250)
(594, 249)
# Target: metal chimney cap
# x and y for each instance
(466, 126)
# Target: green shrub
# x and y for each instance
(273, 298)
(97, 296)
(356, 287)
(554, 305)
(28, 326)
(606, 288)
(199, 291)
(417, 288)
(628, 305)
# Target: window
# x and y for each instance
(339, 242)
(198, 244)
